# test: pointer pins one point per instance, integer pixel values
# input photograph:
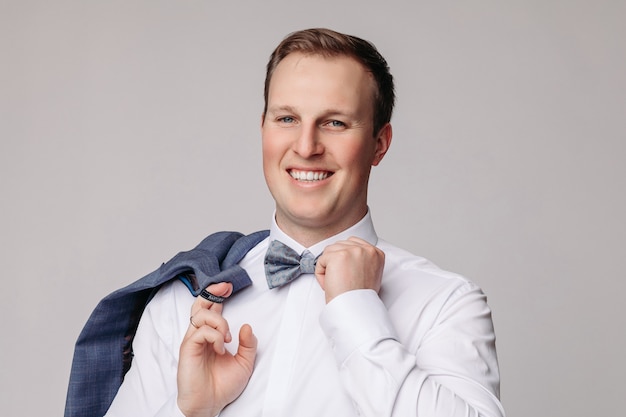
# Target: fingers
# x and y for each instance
(209, 377)
(221, 289)
(348, 265)
(246, 352)
(206, 316)
(210, 319)
(205, 335)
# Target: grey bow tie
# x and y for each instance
(283, 264)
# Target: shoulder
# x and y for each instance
(402, 264)
(411, 277)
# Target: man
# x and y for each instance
(374, 331)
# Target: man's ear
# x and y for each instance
(383, 141)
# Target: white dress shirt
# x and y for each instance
(424, 346)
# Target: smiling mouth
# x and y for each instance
(309, 176)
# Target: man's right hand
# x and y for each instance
(210, 377)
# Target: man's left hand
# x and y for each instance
(348, 265)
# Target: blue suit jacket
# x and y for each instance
(103, 351)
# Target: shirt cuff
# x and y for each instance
(170, 409)
(353, 319)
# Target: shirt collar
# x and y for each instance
(364, 229)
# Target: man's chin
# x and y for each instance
(304, 216)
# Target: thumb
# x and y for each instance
(246, 352)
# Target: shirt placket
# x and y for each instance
(287, 347)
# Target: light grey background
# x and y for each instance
(125, 125)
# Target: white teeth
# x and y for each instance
(308, 175)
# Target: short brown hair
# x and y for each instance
(328, 43)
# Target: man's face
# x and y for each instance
(319, 144)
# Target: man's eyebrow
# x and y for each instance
(338, 112)
(281, 109)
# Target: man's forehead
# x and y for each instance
(294, 58)
(347, 70)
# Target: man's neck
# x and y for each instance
(308, 237)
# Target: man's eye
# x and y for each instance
(336, 123)
(286, 119)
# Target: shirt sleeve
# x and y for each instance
(149, 387)
(451, 370)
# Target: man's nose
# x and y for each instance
(308, 143)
